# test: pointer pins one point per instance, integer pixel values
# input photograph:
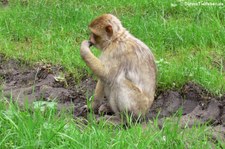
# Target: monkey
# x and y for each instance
(126, 68)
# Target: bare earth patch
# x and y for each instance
(22, 82)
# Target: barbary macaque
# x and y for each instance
(126, 68)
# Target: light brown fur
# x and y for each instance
(126, 68)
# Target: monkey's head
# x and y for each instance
(104, 29)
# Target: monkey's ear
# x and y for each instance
(109, 30)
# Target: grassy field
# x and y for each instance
(187, 41)
(45, 129)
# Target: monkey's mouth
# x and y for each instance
(91, 43)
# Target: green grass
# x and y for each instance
(40, 128)
(188, 42)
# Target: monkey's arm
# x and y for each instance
(92, 61)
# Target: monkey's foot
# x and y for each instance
(105, 109)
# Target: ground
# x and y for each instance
(44, 82)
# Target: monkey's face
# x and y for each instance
(101, 38)
(96, 41)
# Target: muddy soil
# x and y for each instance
(40, 82)
(28, 84)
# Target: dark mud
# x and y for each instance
(40, 82)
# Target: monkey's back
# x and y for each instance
(131, 59)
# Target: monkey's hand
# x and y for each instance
(85, 47)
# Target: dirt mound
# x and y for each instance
(25, 83)
(22, 82)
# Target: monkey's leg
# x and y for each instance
(134, 101)
(98, 96)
